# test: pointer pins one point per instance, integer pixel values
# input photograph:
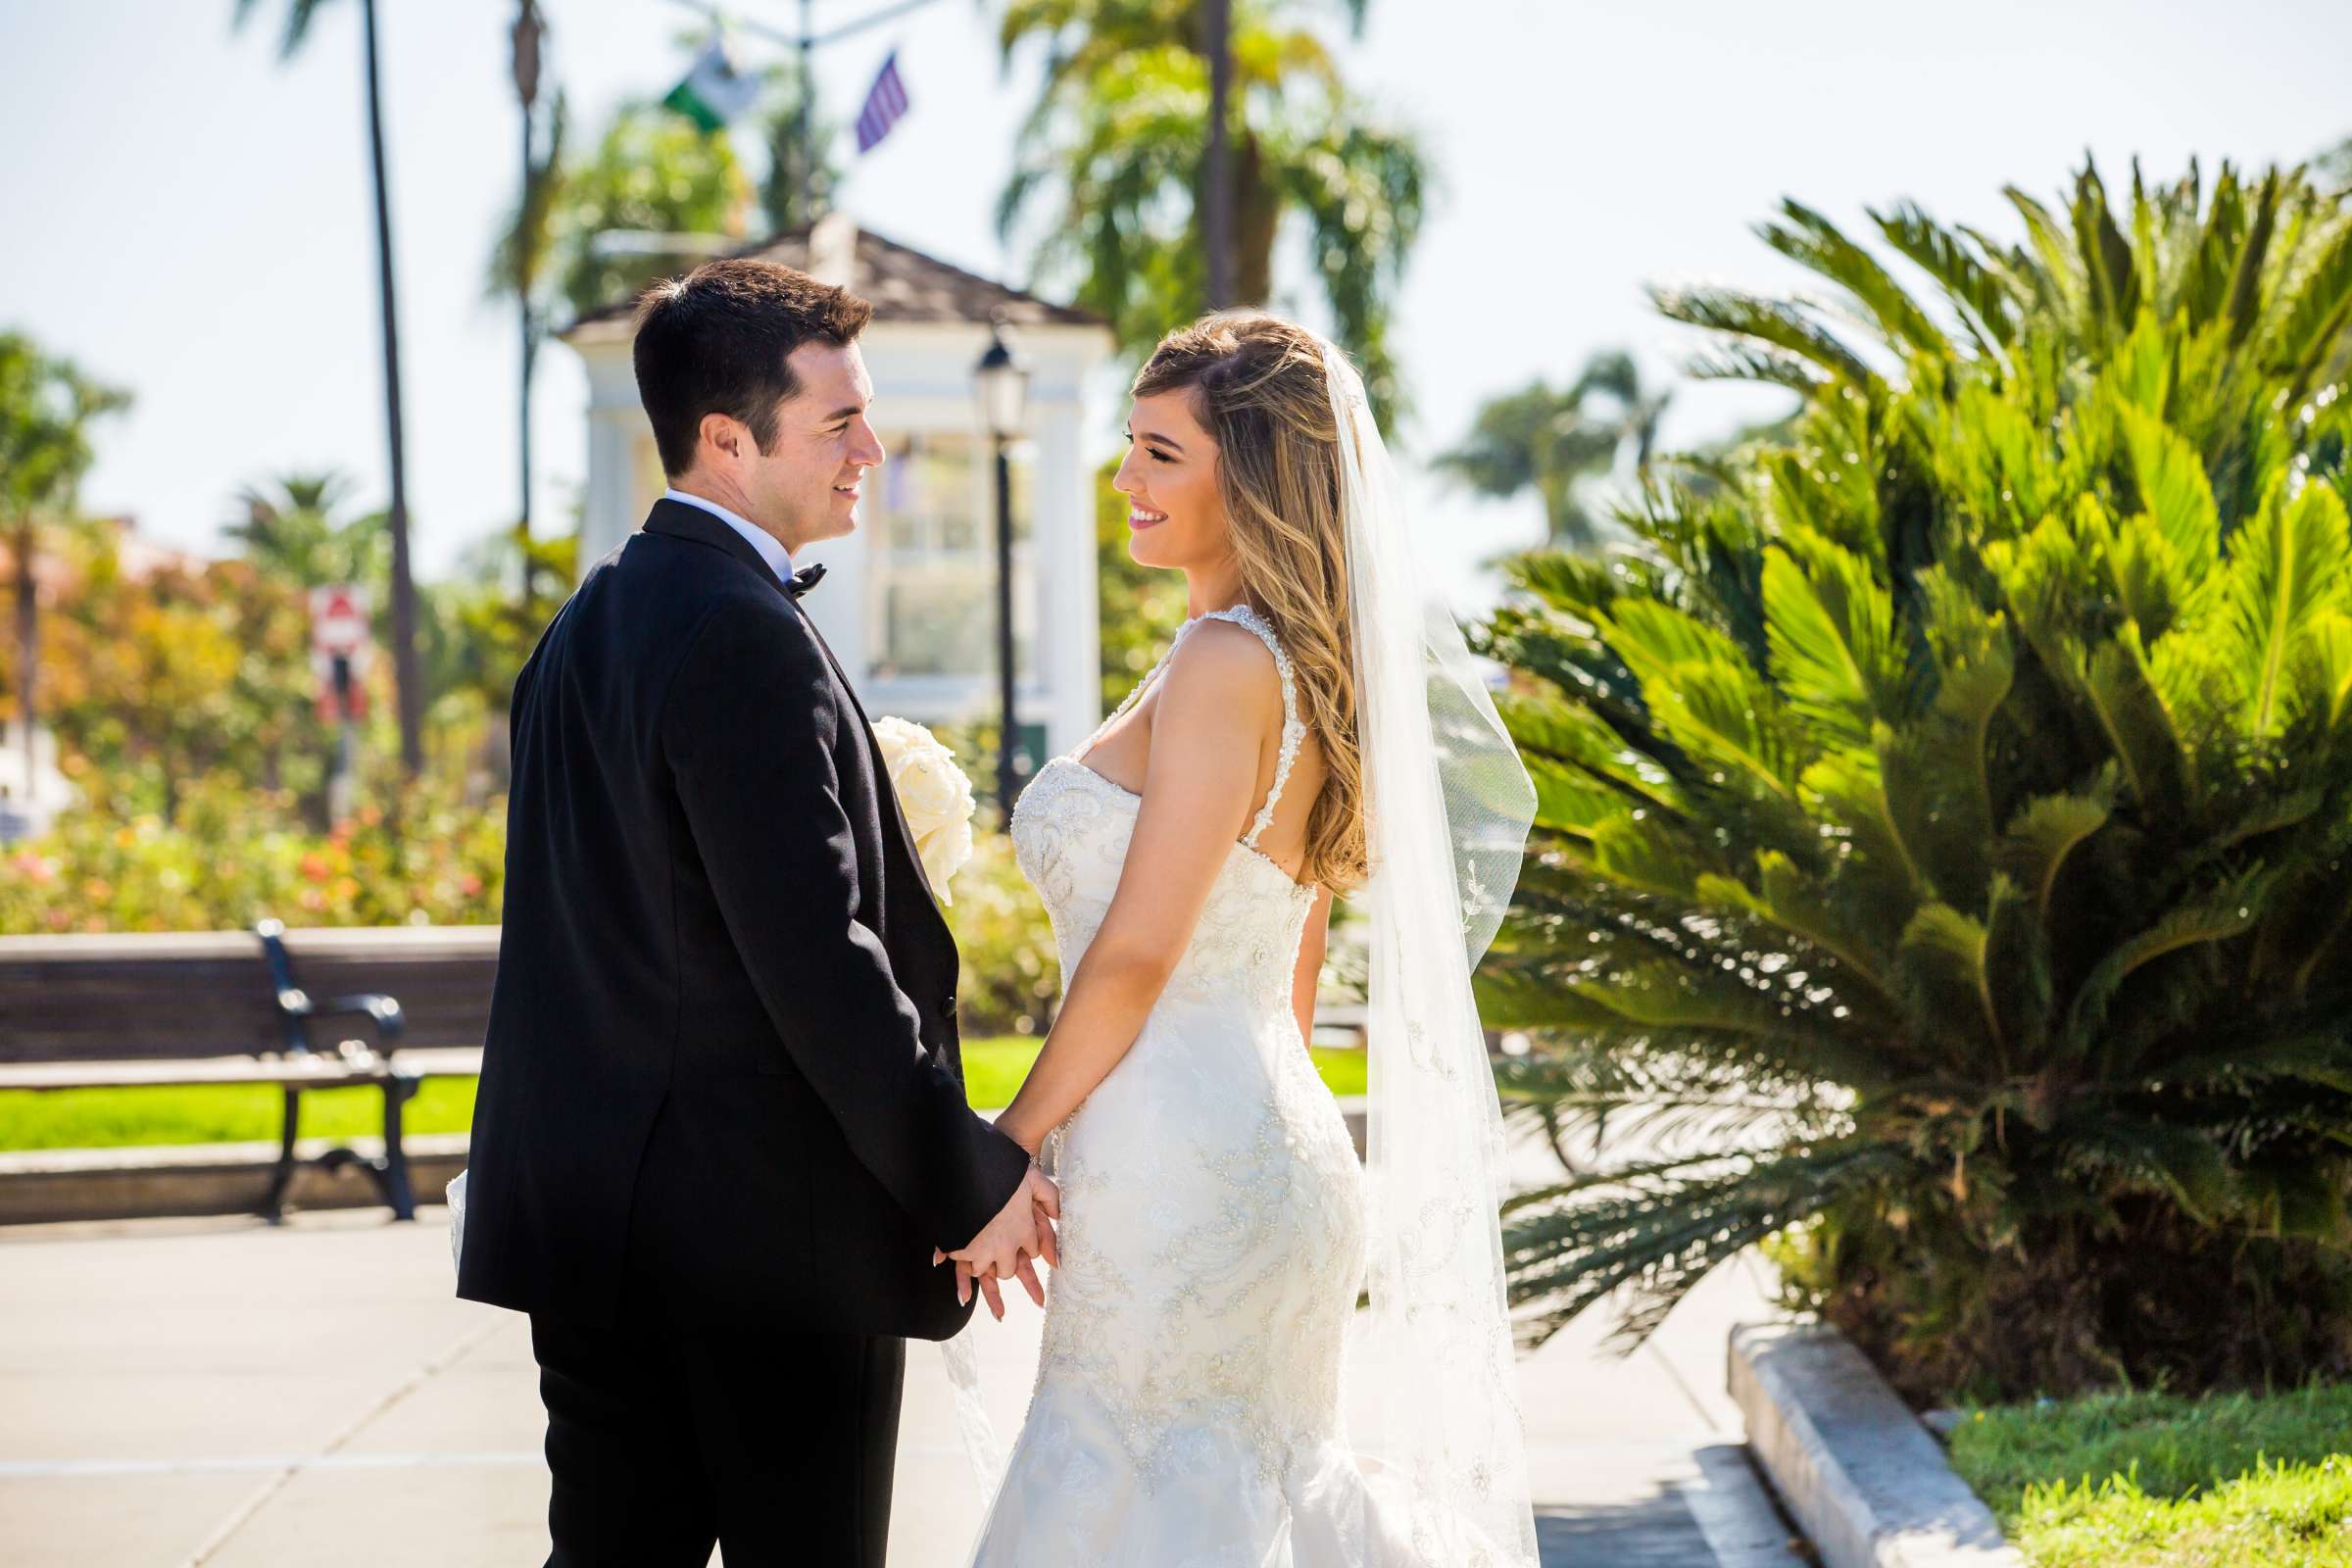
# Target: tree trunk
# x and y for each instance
(523, 295)
(1261, 213)
(1216, 204)
(28, 651)
(408, 694)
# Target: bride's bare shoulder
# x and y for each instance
(1222, 668)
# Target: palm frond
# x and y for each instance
(1986, 300)
(1810, 239)
(1772, 323)
(2286, 569)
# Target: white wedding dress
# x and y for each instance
(1187, 1412)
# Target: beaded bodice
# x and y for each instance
(1071, 827)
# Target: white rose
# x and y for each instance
(933, 794)
(931, 789)
(944, 851)
(898, 735)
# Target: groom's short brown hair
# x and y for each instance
(716, 340)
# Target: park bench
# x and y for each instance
(169, 1009)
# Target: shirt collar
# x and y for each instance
(772, 549)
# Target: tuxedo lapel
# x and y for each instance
(682, 521)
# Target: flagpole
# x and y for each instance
(872, 19)
(807, 100)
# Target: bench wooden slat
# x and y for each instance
(319, 1072)
(169, 996)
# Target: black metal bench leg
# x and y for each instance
(281, 1178)
(393, 1177)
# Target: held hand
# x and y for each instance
(1022, 1230)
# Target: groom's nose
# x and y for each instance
(867, 449)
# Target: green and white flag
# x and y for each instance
(713, 92)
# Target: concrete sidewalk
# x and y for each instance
(224, 1393)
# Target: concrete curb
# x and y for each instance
(46, 1185)
(1866, 1481)
(1734, 1511)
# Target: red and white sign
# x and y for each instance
(338, 618)
(339, 631)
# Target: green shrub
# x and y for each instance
(1011, 972)
(1946, 808)
(232, 854)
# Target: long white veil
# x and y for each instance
(1448, 807)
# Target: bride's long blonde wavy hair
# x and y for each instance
(1257, 388)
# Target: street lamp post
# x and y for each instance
(1004, 386)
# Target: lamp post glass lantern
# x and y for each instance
(1003, 382)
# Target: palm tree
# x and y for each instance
(293, 532)
(1947, 813)
(409, 691)
(1550, 441)
(794, 140)
(1123, 134)
(656, 193)
(46, 405)
(526, 249)
(1215, 21)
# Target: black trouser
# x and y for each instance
(663, 1441)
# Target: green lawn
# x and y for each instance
(2141, 1479)
(117, 1118)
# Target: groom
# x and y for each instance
(721, 1132)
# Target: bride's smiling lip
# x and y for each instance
(1140, 517)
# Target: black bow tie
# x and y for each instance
(800, 581)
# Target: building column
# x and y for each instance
(1070, 634)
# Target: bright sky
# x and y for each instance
(189, 219)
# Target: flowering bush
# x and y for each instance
(230, 856)
(1011, 972)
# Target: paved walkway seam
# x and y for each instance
(243, 1513)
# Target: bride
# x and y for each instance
(1315, 728)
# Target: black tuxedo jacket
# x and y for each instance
(722, 1051)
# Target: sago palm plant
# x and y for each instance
(1944, 814)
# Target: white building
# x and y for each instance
(32, 788)
(908, 602)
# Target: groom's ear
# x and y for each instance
(725, 434)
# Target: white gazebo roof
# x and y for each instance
(903, 284)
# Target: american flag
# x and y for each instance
(885, 102)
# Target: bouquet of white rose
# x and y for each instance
(933, 793)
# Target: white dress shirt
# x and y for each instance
(772, 549)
